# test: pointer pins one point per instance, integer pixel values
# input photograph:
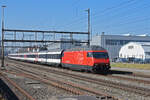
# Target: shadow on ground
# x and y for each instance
(110, 72)
(6, 92)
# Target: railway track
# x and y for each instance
(21, 90)
(74, 88)
(130, 79)
(43, 79)
(139, 75)
(137, 90)
(134, 75)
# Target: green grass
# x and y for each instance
(129, 65)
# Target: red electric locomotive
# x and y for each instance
(93, 58)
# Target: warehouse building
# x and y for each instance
(62, 45)
(113, 43)
(135, 50)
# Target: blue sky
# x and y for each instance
(109, 16)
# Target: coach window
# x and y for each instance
(49, 56)
(33, 56)
(40, 56)
(54, 56)
(43, 56)
(29, 56)
(59, 56)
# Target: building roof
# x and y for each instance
(81, 48)
(145, 45)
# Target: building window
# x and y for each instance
(147, 53)
(116, 42)
(130, 47)
(121, 55)
(121, 42)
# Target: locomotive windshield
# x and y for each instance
(98, 55)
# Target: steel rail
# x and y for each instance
(138, 90)
(35, 76)
(126, 78)
(90, 90)
(130, 79)
(74, 91)
(17, 87)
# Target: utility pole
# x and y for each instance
(88, 10)
(2, 42)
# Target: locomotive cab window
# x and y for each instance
(89, 54)
(62, 54)
(100, 55)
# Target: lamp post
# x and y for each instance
(2, 42)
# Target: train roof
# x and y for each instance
(81, 48)
(46, 51)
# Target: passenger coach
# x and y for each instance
(47, 57)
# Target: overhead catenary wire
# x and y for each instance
(103, 11)
(115, 7)
(125, 29)
(126, 14)
(133, 22)
(75, 2)
(127, 18)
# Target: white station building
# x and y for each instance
(139, 50)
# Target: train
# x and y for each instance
(93, 58)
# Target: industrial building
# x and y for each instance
(64, 45)
(135, 50)
(113, 43)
